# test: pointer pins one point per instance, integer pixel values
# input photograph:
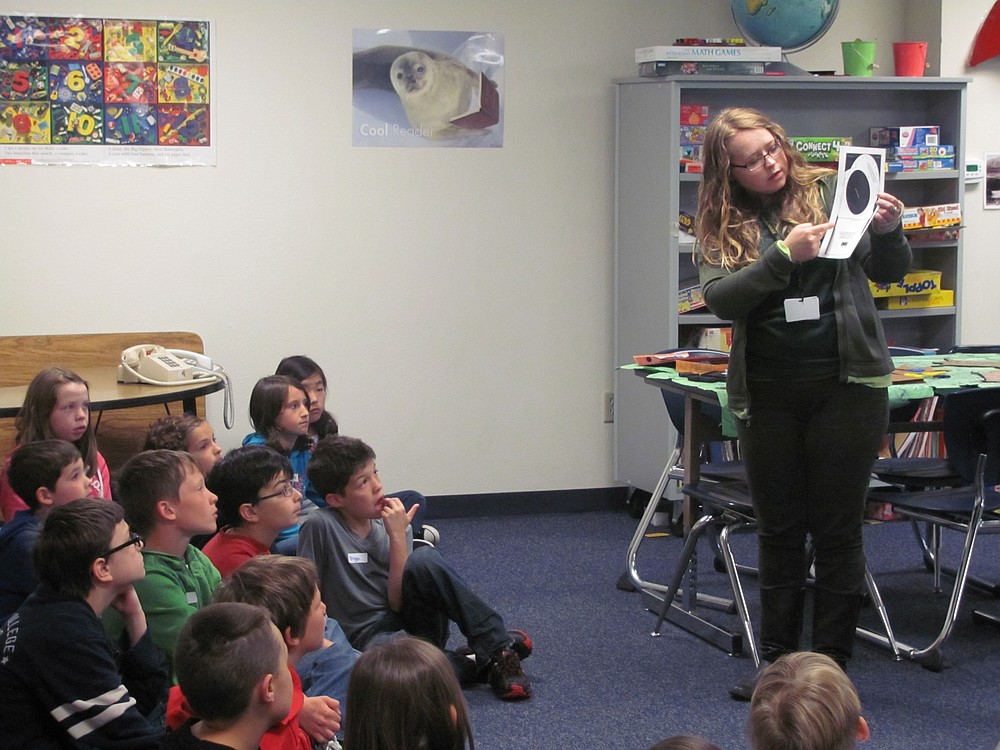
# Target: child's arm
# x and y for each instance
(396, 520)
(127, 604)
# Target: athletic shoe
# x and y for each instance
(507, 678)
(522, 645)
(431, 535)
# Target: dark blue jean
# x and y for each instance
(809, 449)
(435, 595)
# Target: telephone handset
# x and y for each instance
(156, 365)
(149, 363)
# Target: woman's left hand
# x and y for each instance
(888, 213)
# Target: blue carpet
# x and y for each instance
(601, 681)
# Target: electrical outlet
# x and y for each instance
(609, 407)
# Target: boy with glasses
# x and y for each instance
(256, 501)
(64, 684)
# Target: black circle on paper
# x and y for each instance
(858, 192)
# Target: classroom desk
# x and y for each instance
(106, 393)
(698, 429)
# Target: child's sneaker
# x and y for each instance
(522, 644)
(507, 678)
(430, 535)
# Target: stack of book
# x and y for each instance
(683, 59)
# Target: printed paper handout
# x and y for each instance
(860, 179)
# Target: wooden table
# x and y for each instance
(107, 394)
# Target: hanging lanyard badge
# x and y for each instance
(796, 308)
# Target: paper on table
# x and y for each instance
(860, 178)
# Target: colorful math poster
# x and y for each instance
(419, 89)
(110, 91)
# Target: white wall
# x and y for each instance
(981, 308)
(459, 300)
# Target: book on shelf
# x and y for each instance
(685, 53)
(705, 68)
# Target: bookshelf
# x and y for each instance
(652, 263)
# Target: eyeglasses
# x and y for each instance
(133, 538)
(285, 491)
(771, 153)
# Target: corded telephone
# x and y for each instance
(149, 363)
(156, 365)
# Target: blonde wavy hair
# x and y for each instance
(728, 226)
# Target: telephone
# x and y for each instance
(149, 363)
(156, 365)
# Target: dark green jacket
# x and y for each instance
(733, 294)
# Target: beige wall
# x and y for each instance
(460, 300)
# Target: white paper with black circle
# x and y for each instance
(860, 179)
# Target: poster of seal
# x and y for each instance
(106, 91)
(428, 89)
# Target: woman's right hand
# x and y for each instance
(804, 240)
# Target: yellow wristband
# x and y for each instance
(784, 249)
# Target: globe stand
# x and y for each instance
(785, 68)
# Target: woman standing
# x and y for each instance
(808, 370)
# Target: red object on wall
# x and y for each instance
(987, 42)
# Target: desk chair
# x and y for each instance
(673, 471)
(912, 473)
(972, 438)
(728, 507)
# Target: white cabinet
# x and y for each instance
(652, 264)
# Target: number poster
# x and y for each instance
(105, 91)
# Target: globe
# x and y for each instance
(789, 24)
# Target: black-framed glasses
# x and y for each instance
(286, 491)
(133, 538)
(770, 153)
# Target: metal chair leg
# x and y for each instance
(734, 582)
(890, 638)
(690, 545)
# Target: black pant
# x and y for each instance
(809, 449)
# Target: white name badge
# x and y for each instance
(191, 597)
(357, 558)
(806, 308)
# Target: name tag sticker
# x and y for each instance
(357, 558)
(192, 597)
(806, 308)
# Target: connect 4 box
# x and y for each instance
(816, 149)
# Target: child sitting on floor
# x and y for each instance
(286, 588)
(232, 665)
(805, 701)
(57, 407)
(257, 500)
(63, 683)
(46, 474)
(406, 697)
(165, 499)
(185, 432)
(375, 583)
